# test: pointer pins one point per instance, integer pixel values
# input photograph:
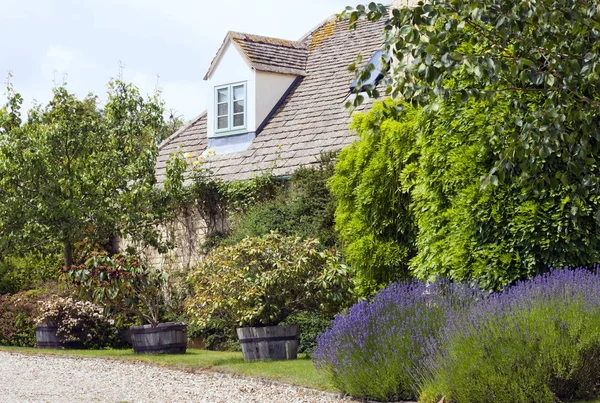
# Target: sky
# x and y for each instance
(164, 43)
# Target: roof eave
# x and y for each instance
(280, 70)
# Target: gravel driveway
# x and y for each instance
(46, 378)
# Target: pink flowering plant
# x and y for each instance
(79, 323)
(122, 283)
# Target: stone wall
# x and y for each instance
(186, 232)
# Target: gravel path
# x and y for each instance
(46, 378)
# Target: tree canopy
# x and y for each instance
(506, 183)
(76, 170)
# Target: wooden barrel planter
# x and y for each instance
(166, 338)
(269, 342)
(46, 337)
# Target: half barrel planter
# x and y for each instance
(46, 337)
(166, 338)
(269, 342)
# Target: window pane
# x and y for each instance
(222, 123)
(238, 120)
(223, 95)
(238, 92)
(238, 107)
(222, 109)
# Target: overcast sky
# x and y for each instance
(169, 42)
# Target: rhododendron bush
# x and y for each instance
(120, 282)
(261, 281)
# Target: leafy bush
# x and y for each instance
(375, 350)
(261, 281)
(17, 324)
(20, 273)
(537, 341)
(78, 322)
(304, 207)
(120, 282)
(311, 324)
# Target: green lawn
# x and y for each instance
(299, 372)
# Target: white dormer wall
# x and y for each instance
(270, 87)
(232, 68)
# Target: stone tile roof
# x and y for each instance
(312, 119)
(267, 54)
(272, 54)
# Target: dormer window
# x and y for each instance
(230, 108)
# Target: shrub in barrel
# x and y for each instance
(124, 283)
(259, 282)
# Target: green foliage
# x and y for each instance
(312, 324)
(499, 232)
(189, 184)
(372, 184)
(18, 313)
(507, 181)
(261, 281)
(74, 171)
(21, 273)
(304, 207)
(121, 282)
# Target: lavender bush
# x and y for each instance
(538, 341)
(375, 350)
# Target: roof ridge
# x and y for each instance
(307, 35)
(182, 129)
(271, 40)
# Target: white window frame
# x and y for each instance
(230, 129)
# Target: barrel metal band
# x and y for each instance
(259, 339)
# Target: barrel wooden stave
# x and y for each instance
(269, 342)
(166, 338)
(46, 337)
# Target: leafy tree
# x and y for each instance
(507, 180)
(75, 171)
(372, 184)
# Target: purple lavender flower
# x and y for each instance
(375, 349)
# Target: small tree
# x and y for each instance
(74, 171)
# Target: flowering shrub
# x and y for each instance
(261, 281)
(538, 341)
(77, 322)
(375, 349)
(121, 282)
(17, 325)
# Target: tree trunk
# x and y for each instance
(68, 254)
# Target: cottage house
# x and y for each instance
(275, 104)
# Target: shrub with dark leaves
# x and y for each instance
(17, 325)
